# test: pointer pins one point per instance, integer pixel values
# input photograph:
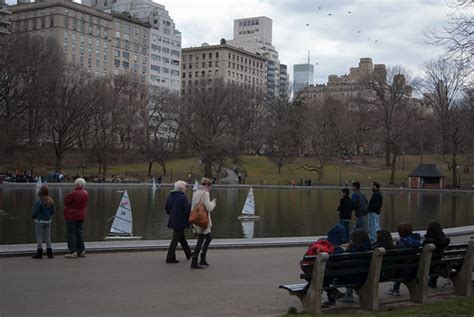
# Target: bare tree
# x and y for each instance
(457, 33)
(283, 118)
(443, 84)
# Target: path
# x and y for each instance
(240, 282)
(231, 178)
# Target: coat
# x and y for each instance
(178, 208)
(345, 208)
(203, 196)
(376, 202)
(75, 205)
(43, 210)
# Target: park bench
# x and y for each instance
(456, 263)
(334, 271)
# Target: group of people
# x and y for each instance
(75, 204)
(179, 208)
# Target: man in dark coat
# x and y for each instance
(178, 208)
(375, 206)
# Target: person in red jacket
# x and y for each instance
(74, 213)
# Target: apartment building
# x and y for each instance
(4, 18)
(255, 35)
(164, 58)
(207, 63)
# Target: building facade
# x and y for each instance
(303, 76)
(4, 18)
(255, 35)
(164, 53)
(349, 86)
(284, 80)
(209, 63)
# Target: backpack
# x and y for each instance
(362, 205)
(317, 247)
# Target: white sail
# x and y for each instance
(195, 186)
(249, 206)
(39, 183)
(123, 222)
(248, 228)
(154, 183)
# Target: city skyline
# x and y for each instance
(336, 34)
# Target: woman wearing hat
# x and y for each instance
(204, 234)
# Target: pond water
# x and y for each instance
(284, 212)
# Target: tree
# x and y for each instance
(457, 33)
(283, 118)
(443, 84)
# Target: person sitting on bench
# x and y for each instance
(435, 235)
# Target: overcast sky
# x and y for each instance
(333, 40)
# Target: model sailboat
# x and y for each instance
(195, 186)
(122, 227)
(39, 183)
(248, 212)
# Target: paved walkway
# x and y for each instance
(238, 283)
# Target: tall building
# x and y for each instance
(255, 35)
(209, 63)
(347, 86)
(284, 80)
(303, 76)
(4, 18)
(164, 52)
(85, 34)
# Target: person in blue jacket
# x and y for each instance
(178, 208)
(42, 216)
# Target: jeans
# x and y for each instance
(360, 223)
(199, 244)
(347, 231)
(43, 234)
(75, 236)
(374, 225)
(178, 236)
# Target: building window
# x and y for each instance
(125, 65)
(66, 23)
(125, 55)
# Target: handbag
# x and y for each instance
(199, 215)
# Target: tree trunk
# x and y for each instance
(163, 168)
(454, 164)
(150, 166)
(279, 167)
(387, 154)
(208, 169)
(393, 169)
(59, 161)
(104, 167)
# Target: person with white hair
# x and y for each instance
(74, 213)
(178, 208)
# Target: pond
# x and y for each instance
(284, 212)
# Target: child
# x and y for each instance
(435, 235)
(408, 239)
(345, 212)
(42, 212)
(360, 242)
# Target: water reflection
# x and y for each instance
(292, 212)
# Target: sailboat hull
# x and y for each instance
(119, 237)
(249, 217)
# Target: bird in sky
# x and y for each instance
(316, 64)
(376, 41)
(358, 31)
(319, 8)
(368, 38)
(307, 24)
(349, 12)
(329, 14)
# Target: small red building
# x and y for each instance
(426, 176)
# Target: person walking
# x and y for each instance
(345, 213)
(42, 213)
(360, 206)
(375, 206)
(178, 208)
(202, 195)
(74, 213)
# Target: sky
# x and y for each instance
(391, 31)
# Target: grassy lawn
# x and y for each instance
(450, 307)
(261, 170)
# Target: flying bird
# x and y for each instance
(368, 38)
(349, 12)
(358, 31)
(316, 64)
(376, 41)
(329, 14)
(307, 24)
(319, 8)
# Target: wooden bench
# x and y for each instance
(338, 270)
(410, 267)
(456, 264)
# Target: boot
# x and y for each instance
(195, 265)
(203, 261)
(49, 252)
(190, 255)
(39, 254)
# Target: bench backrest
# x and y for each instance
(452, 257)
(400, 264)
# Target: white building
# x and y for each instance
(255, 35)
(164, 42)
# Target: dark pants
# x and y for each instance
(75, 236)
(347, 231)
(178, 236)
(202, 238)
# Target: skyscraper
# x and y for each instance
(303, 76)
(4, 18)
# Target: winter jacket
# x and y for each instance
(345, 208)
(376, 202)
(43, 210)
(203, 196)
(440, 242)
(178, 208)
(411, 241)
(360, 204)
(75, 205)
